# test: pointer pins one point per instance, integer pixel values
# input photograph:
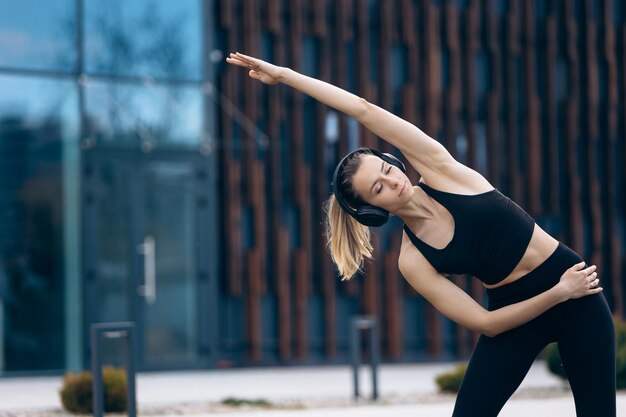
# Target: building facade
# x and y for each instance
(143, 180)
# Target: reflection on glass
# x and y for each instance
(138, 114)
(171, 318)
(38, 34)
(38, 118)
(159, 39)
(113, 232)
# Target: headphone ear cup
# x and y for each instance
(390, 159)
(372, 216)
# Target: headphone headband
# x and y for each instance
(365, 214)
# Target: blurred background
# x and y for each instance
(144, 180)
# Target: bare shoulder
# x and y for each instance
(416, 269)
(411, 259)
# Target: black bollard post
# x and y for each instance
(364, 323)
(112, 331)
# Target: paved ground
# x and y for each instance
(406, 390)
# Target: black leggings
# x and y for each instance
(582, 327)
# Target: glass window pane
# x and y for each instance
(38, 35)
(143, 114)
(38, 122)
(144, 38)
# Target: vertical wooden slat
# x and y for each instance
(470, 50)
(571, 129)
(620, 192)
(591, 104)
(532, 131)
(393, 302)
(452, 94)
(253, 299)
(494, 97)
(512, 55)
(550, 108)
(610, 150)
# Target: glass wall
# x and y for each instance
(38, 119)
(38, 35)
(131, 82)
(148, 38)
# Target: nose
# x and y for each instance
(393, 182)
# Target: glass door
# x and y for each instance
(146, 234)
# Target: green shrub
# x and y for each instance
(238, 402)
(77, 394)
(451, 381)
(553, 358)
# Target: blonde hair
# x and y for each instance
(348, 240)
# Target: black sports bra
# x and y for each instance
(491, 234)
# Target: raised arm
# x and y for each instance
(427, 155)
(459, 307)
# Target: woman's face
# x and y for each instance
(381, 184)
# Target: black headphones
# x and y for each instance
(365, 214)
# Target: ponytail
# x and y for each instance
(347, 239)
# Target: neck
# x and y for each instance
(418, 209)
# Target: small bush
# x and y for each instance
(451, 381)
(77, 395)
(553, 357)
(238, 402)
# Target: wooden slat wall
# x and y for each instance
(556, 146)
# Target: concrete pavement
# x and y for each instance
(405, 389)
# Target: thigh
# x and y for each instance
(587, 347)
(496, 369)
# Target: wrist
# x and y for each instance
(560, 292)
(283, 73)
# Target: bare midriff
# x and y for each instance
(541, 246)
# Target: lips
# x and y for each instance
(402, 189)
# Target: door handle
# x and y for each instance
(148, 250)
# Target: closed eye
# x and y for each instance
(381, 186)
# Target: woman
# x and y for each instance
(455, 221)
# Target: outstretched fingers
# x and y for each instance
(242, 60)
(233, 59)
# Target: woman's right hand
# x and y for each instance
(579, 281)
(259, 70)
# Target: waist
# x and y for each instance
(540, 247)
(540, 279)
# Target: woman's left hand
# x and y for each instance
(259, 70)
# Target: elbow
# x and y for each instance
(490, 332)
(488, 327)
